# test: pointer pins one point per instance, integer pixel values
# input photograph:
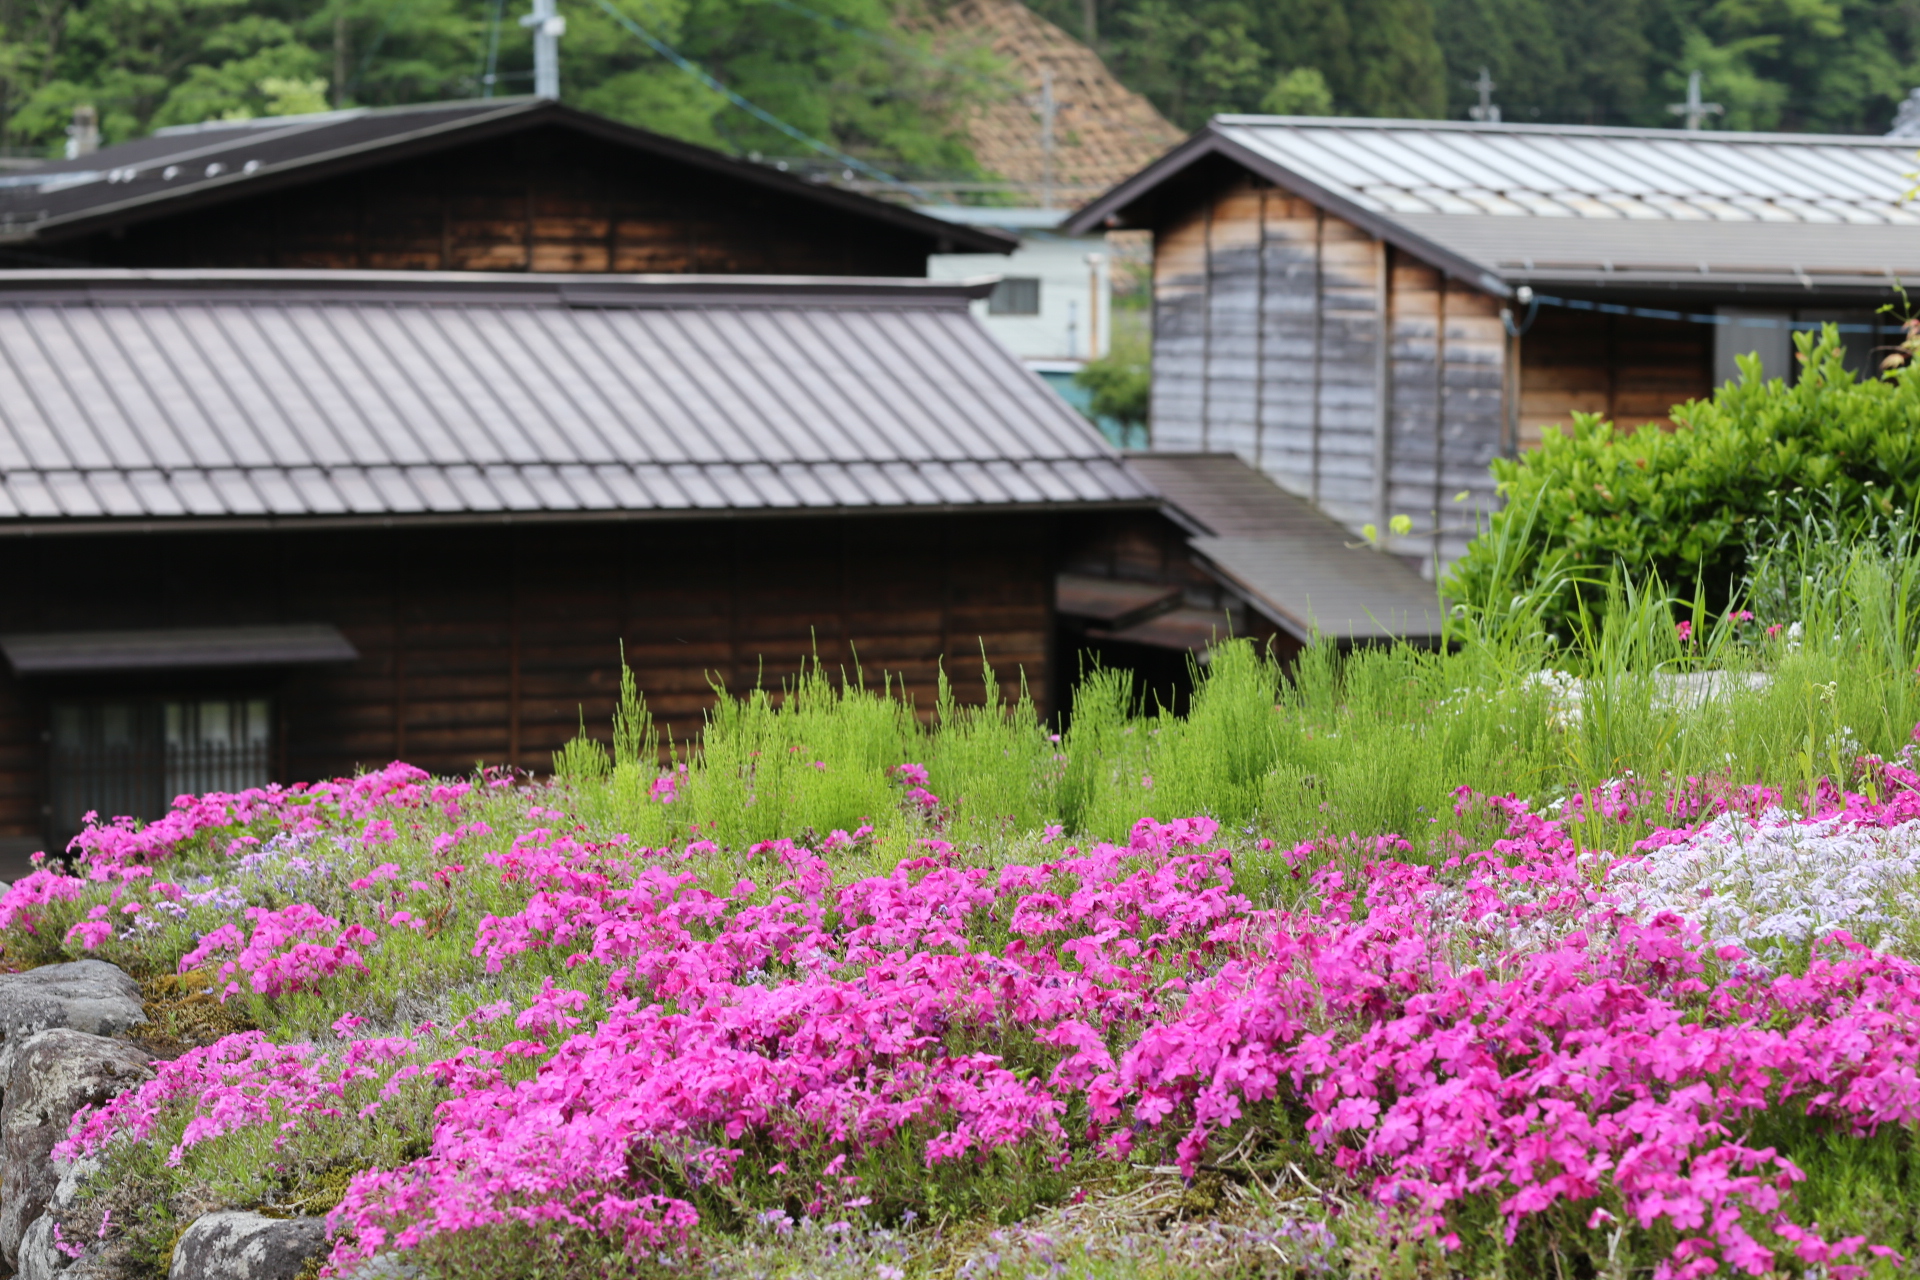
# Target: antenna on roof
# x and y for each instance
(1486, 112)
(491, 75)
(547, 26)
(1693, 109)
(1049, 107)
(83, 135)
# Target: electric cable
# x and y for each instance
(765, 117)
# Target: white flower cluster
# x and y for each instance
(1782, 881)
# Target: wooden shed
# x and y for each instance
(504, 184)
(1370, 311)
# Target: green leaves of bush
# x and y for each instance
(1678, 503)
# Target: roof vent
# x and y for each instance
(215, 169)
(171, 172)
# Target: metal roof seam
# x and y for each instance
(214, 370)
(55, 365)
(403, 332)
(562, 386)
(109, 385)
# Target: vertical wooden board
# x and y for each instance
(1179, 333)
(1285, 444)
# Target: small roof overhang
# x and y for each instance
(76, 652)
(1298, 568)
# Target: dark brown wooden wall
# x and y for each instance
(547, 199)
(1629, 369)
(489, 643)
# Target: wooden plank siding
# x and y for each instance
(488, 644)
(1629, 369)
(547, 199)
(1270, 317)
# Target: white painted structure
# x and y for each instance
(1054, 308)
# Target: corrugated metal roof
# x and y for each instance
(1298, 567)
(1542, 203)
(175, 395)
(225, 159)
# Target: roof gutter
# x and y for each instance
(1108, 209)
(302, 524)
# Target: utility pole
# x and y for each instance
(1486, 112)
(491, 76)
(1090, 20)
(547, 27)
(1693, 109)
(339, 53)
(1047, 108)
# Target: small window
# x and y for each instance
(1015, 296)
(132, 756)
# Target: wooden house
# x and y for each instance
(1370, 311)
(504, 184)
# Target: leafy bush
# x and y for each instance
(1121, 381)
(1685, 505)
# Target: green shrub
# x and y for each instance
(1684, 505)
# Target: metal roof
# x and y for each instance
(175, 397)
(1504, 204)
(1298, 567)
(178, 168)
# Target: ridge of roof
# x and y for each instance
(1576, 130)
(575, 289)
(75, 206)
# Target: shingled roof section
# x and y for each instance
(171, 398)
(1103, 131)
(193, 166)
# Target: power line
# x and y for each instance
(888, 42)
(766, 117)
(1691, 317)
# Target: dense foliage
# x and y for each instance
(1697, 504)
(1830, 65)
(864, 75)
(819, 66)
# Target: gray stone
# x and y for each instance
(53, 1074)
(386, 1266)
(86, 995)
(233, 1245)
(41, 1259)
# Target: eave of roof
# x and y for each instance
(454, 127)
(123, 284)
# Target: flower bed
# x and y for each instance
(481, 1021)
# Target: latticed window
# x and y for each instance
(132, 756)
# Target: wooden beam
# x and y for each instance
(1382, 383)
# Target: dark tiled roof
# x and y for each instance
(180, 168)
(176, 396)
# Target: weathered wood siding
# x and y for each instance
(489, 644)
(1628, 369)
(544, 200)
(1269, 321)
